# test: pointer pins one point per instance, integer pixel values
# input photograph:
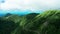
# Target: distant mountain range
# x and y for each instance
(18, 12)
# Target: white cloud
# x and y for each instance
(30, 4)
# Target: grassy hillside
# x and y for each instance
(45, 23)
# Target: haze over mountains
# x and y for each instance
(19, 12)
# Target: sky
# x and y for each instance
(32, 5)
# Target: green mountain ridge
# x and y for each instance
(45, 23)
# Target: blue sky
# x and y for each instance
(32, 5)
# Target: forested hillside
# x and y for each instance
(47, 22)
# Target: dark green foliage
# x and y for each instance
(6, 27)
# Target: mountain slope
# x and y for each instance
(34, 23)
